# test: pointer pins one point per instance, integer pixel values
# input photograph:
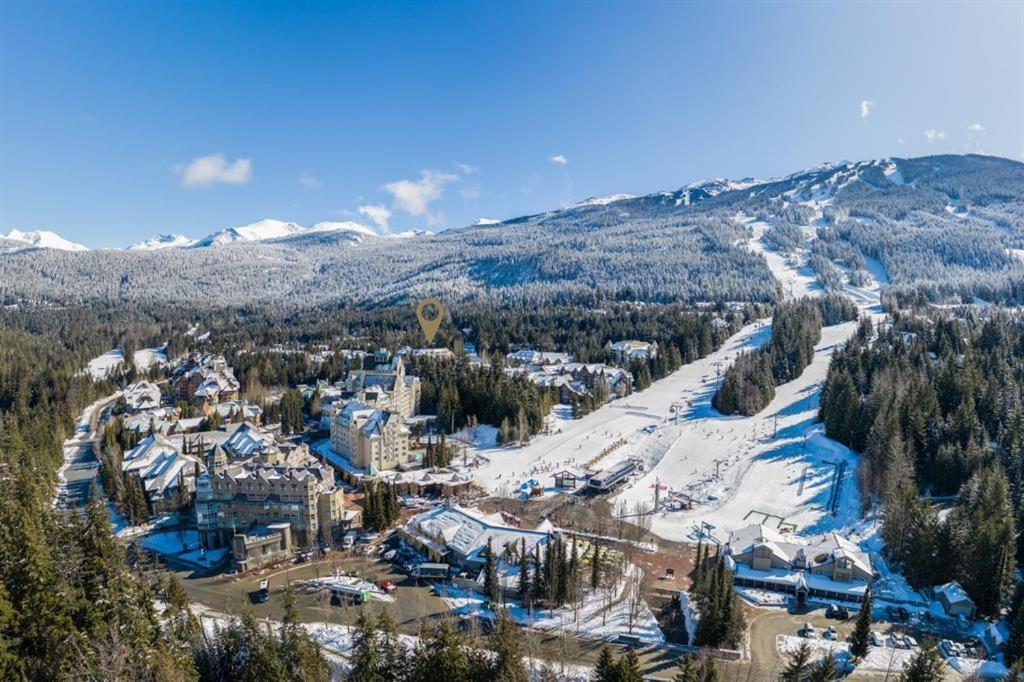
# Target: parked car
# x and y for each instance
(910, 642)
(387, 586)
(831, 633)
(877, 639)
(808, 632)
(837, 612)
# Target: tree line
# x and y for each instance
(933, 401)
(749, 384)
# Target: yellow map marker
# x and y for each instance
(430, 312)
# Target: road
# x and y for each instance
(81, 466)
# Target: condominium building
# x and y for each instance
(369, 437)
(235, 497)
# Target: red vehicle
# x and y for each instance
(387, 586)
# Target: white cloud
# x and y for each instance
(901, 141)
(377, 213)
(414, 196)
(976, 128)
(467, 169)
(932, 134)
(310, 181)
(207, 170)
(866, 105)
(559, 159)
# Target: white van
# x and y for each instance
(349, 539)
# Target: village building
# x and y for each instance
(142, 396)
(527, 356)
(261, 545)
(831, 567)
(205, 380)
(955, 600)
(627, 351)
(575, 380)
(167, 475)
(233, 497)
(386, 386)
(369, 437)
(458, 536)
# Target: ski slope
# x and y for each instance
(501, 470)
(774, 467)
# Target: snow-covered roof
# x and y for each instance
(248, 440)
(828, 547)
(467, 531)
(953, 593)
(159, 465)
(143, 395)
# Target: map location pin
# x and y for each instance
(430, 312)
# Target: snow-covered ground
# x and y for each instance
(147, 357)
(594, 618)
(183, 545)
(776, 467)
(878, 658)
(338, 640)
(103, 365)
(793, 273)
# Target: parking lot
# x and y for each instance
(768, 624)
(410, 602)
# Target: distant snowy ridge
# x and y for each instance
(42, 239)
(163, 241)
(269, 229)
(604, 201)
(485, 221)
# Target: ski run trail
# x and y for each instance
(713, 473)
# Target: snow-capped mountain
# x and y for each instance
(346, 226)
(485, 221)
(603, 201)
(278, 230)
(259, 231)
(408, 234)
(163, 241)
(42, 239)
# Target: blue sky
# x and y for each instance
(122, 120)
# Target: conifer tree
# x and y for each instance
(797, 667)
(492, 587)
(629, 667)
(366, 656)
(926, 666)
(862, 629)
(595, 568)
(508, 657)
(687, 670)
(825, 670)
(606, 669)
(525, 590)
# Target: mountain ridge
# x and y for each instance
(947, 225)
